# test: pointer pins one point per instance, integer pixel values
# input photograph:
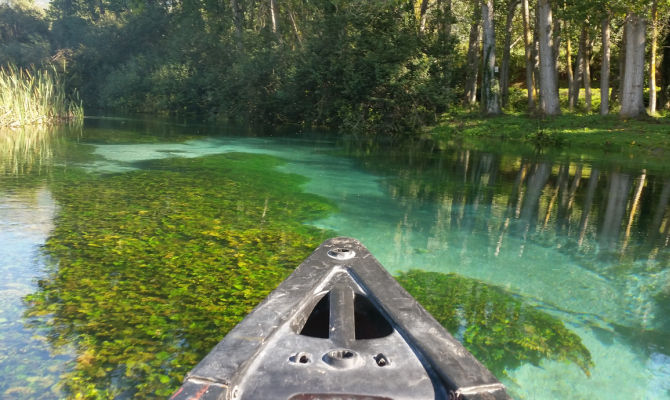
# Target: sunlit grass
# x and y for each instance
(35, 97)
(573, 134)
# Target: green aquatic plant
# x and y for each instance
(29, 97)
(497, 328)
(153, 267)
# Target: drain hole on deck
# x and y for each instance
(341, 253)
(370, 323)
(381, 360)
(318, 321)
(301, 358)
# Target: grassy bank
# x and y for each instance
(34, 98)
(571, 135)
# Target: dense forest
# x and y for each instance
(388, 66)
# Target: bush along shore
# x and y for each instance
(35, 97)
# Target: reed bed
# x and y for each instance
(35, 97)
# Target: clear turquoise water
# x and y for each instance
(590, 248)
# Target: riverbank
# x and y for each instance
(572, 136)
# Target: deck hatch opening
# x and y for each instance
(317, 323)
(369, 321)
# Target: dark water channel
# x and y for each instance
(128, 249)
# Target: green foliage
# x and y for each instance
(153, 267)
(24, 35)
(497, 328)
(29, 97)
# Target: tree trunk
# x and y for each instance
(529, 55)
(579, 71)
(568, 66)
(473, 60)
(617, 84)
(605, 67)
(274, 15)
(504, 71)
(587, 70)
(490, 86)
(632, 101)
(423, 15)
(548, 74)
(536, 57)
(652, 58)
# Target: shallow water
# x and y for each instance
(585, 242)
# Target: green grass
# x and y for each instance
(573, 135)
(38, 97)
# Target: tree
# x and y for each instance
(504, 71)
(472, 60)
(605, 66)
(490, 85)
(632, 85)
(528, 52)
(548, 74)
(24, 35)
(652, 57)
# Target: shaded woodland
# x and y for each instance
(376, 66)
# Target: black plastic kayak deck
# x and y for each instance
(340, 327)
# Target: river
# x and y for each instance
(108, 235)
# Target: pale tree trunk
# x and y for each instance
(605, 67)
(557, 41)
(568, 65)
(548, 74)
(632, 101)
(296, 31)
(536, 57)
(274, 15)
(473, 60)
(490, 86)
(617, 84)
(423, 15)
(587, 71)
(652, 58)
(529, 55)
(504, 71)
(579, 71)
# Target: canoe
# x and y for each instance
(340, 327)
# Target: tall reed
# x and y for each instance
(35, 97)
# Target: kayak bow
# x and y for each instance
(340, 327)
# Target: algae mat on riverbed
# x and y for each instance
(150, 269)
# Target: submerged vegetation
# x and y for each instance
(151, 271)
(158, 265)
(493, 325)
(35, 97)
